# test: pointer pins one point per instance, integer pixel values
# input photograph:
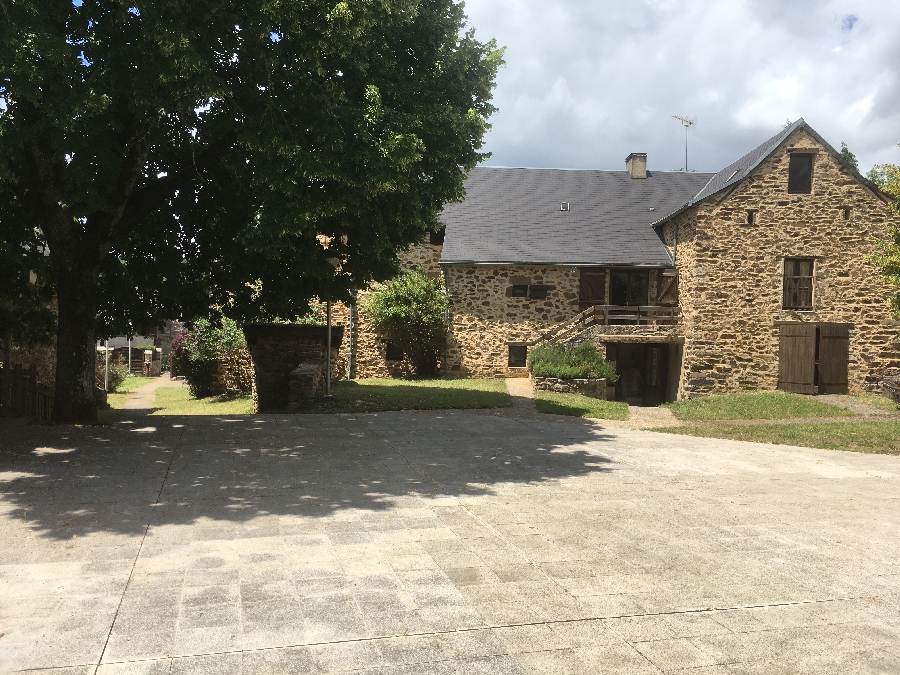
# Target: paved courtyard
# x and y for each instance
(440, 543)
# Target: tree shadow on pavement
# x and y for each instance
(64, 483)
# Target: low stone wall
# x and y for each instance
(277, 351)
(595, 388)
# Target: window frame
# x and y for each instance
(517, 363)
(519, 291)
(792, 284)
(795, 187)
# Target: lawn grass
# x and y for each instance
(376, 394)
(882, 402)
(768, 405)
(877, 437)
(116, 399)
(577, 405)
(132, 383)
(178, 401)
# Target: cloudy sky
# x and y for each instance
(589, 81)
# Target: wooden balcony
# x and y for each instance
(611, 315)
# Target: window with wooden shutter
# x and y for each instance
(667, 287)
(798, 283)
(592, 287)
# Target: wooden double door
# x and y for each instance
(813, 358)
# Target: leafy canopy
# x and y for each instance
(173, 156)
(411, 311)
(887, 177)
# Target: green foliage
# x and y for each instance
(173, 156)
(118, 372)
(568, 363)
(887, 177)
(411, 311)
(197, 350)
(848, 156)
(755, 405)
(577, 405)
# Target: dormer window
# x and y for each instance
(800, 174)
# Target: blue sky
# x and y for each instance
(589, 81)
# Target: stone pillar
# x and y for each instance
(278, 350)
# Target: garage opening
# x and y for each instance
(648, 372)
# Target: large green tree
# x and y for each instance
(887, 177)
(172, 156)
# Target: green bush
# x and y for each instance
(411, 311)
(568, 363)
(196, 352)
(118, 371)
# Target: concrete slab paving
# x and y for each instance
(440, 542)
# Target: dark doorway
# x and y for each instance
(629, 288)
(643, 370)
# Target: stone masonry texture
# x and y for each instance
(731, 274)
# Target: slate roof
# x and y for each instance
(513, 216)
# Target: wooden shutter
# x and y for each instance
(592, 288)
(834, 348)
(797, 358)
(667, 288)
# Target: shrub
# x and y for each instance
(411, 311)
(568, 363)
(118, 371)
(197, 351)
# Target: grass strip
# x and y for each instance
(578, 405)
(178, 401)
(768, 405)
(376, 394)
(876, 401)
(875, 437)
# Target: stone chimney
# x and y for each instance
(636, 164)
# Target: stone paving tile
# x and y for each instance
(510, 545)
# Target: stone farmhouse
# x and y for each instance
(751, 278)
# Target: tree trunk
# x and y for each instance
(76, 356)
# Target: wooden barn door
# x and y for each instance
(834, 348)
(592, 288)
(797, 358)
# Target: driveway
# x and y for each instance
(440, 543)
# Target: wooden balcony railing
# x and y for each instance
(606, 315)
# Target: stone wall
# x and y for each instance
(370, 348)
(485, 317)
(731, 274)
(595, 388)
(279, 349)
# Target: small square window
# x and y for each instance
(538, 292)
(392, 352)
(520, 290)
(564, 206)
(798, 283)
(518, 356)
(437, 238)
(800, 174)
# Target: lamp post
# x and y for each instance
(334, 262)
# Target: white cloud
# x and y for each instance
(589, 81)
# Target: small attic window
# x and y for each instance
(751, 216)
(564, 206)
(800, 174)
(436, 238)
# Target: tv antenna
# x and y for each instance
(688, 122)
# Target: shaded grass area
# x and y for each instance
(374, 395)
(577, 405)
(876, 401)
(769, 405)
(178, 401)
(132, 383)
(875, 437)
